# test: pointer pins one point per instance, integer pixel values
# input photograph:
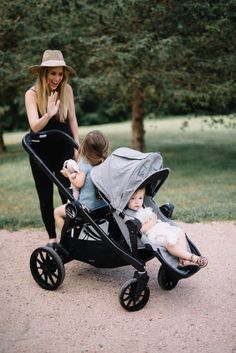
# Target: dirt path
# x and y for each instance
(84, 314)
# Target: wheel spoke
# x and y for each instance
(48, 257)
(41, 255)
(50, 276)
(45, 277)
(39, 262)
(129, 304)
(126, 298)
(39, 266)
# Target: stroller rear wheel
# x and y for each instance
(47, 268)
(165, 279)
(131, 297)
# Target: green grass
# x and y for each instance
(201, 185)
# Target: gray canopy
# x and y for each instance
(123, 172)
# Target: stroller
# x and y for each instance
(105, 237)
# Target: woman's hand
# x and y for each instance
(53, 104)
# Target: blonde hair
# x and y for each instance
(42, 91)
(94, 148)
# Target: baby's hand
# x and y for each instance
(148, 225)
(152, 221)
(154, 218)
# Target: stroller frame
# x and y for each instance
(98, 248)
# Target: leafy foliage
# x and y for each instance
(180, 55)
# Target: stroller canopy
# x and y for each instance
(123, 172)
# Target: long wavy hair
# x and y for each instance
(43, 92)
(94, 148)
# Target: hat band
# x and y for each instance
(53, 63)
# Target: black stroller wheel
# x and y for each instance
(47, 268)
(129, 299)
(165, 279)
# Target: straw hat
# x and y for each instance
(51, 58)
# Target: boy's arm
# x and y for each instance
(79, 179)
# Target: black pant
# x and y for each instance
(44, 185)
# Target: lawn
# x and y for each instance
(201, 185)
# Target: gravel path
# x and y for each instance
(84, 315)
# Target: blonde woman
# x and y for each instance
(50, 105)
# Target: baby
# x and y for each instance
(160, 232)
(156, 232)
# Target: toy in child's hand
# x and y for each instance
(72, 167)
(160, 233)
(144, 214)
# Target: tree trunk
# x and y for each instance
(2, 144)
(138, 131)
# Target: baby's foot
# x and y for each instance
(185, 263)
(201, 261)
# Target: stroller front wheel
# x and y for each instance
(165, 279)
(131, 297)
(47, 268)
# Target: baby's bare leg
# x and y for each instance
(59, 215)
(180, 249)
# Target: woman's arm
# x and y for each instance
(72, 116)
(38, 123)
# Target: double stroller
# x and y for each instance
(105, 237)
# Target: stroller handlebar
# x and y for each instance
(34, 138)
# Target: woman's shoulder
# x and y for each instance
(31, 91)
(69, 88)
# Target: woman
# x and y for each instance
(50, 105)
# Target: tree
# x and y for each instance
(140, 56)
(120, 58)
(176, 56)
